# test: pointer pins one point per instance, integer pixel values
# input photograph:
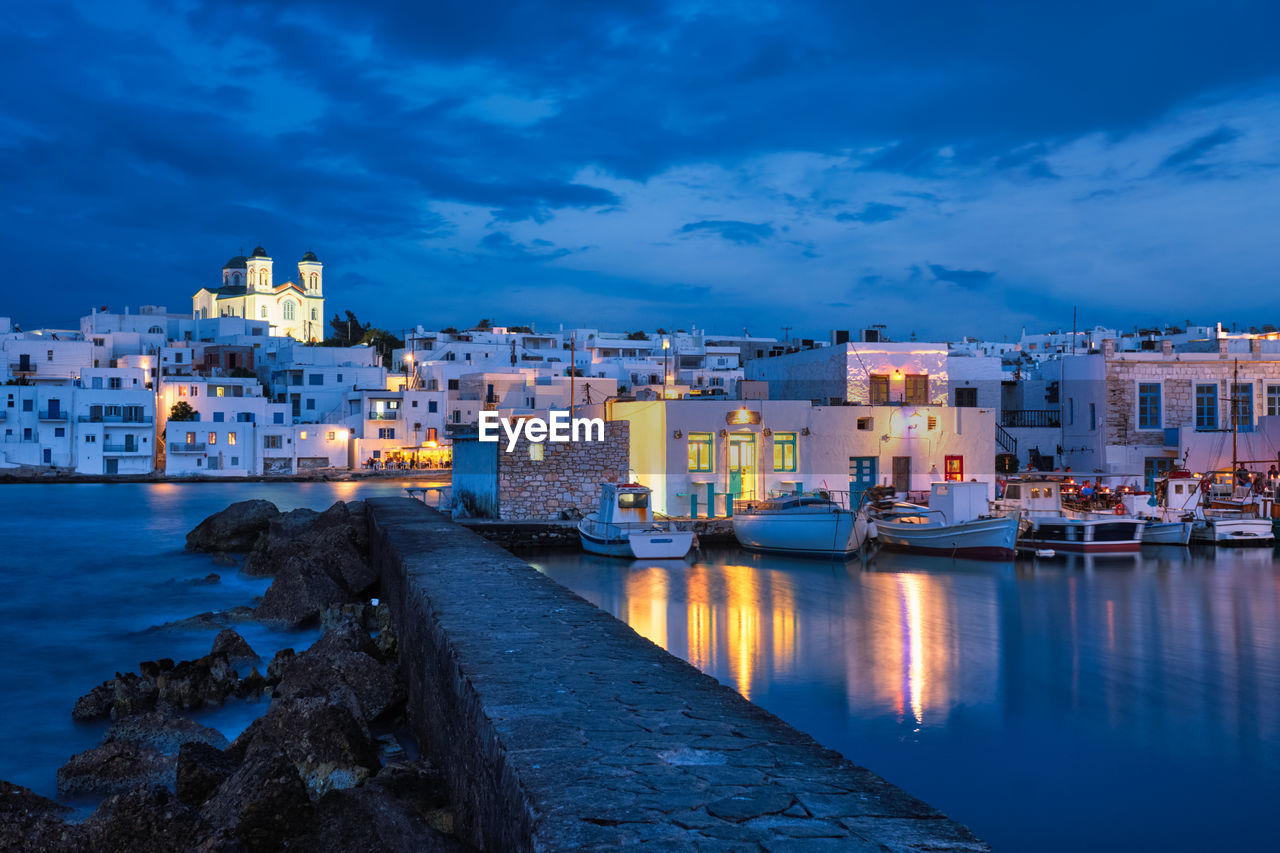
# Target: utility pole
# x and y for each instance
(1073, 329)
(573, 369)
(786, 333)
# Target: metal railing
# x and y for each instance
(1031, 419)
(180, 447)
(1007, 443)
(47, 415)
(115, 419)
(384, 416)
(122, 448)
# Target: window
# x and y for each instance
(453, 385)
(330, 435)
(784, 451)
(315, 378)
(218, 417)
(303, 435)
(701, 445)
(1093, 416)
(277, 417)
(931, 423)
(49, 356)
(218, 390)
(1206, 407)
(27, 405)
(1148, 405)
(191, 438)
(213, 438)
(231, 438)
(26, 434)
(431, 433)
(415, 404)
(431, 405)
(866, 423)
(288, 309)
(59, 432)
(90, 439)
(386, 432)
(1242, 404)
(235, 460)
(536, 451)
(967, 397)
(195, 390)
(1273, 400)
(879, 389)
(263, 312)
(272, 442)
(953, 468)
(313, 314)
(917, 389)
(311, 402)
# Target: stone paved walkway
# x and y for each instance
(562, 729)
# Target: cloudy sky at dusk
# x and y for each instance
(939, 167)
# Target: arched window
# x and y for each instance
(235, 279)
(313, 314)
(315, 281)
(288, 310)
(264, 312)
(262, 277)
(204, 313)
(155, 330)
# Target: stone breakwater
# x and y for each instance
(558, 728)
(319, 770)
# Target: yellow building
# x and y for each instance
(248, 290)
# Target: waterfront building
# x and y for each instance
(686, 449)
(250, 291)
(315, 381)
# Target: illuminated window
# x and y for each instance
(1035, 493)
(330, 435)
(879, 389)
(1242, 404)
(784, 451)
(191, 438)
(931, 423)
(231, 438)
(954, 467)
(535, 451)
(303, 435)
(866, 423)
(213, 438)
(182, 390)
(272, 442)
(218, 390)
(917, 389)
(701, 445)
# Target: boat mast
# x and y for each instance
(1235, 415)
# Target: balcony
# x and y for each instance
(47, 415)
(384, 416)
(1031, 419)
(178, 447)
(116, 419)
(125, 448)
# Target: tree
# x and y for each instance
(182, 411)
(638, 336)
(347, 331)
(484, 324)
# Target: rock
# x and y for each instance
(344, 634)
(300, 592)
(113, 767)
(323, 736)
(125, 694)
(235, 528)
(188, 685)
(234, 646)
(261, 804)
(163, 732)
(278, 663)
(145, 820)
(29, 821)
(201, 769)
(208, 620)
(272, 550)
(317, 671)
(371, 818)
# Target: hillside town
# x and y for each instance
(254, 381)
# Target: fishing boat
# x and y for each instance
(624, 527)
(1229, 513)
(1170, 510)
(1045, 523)
(957, 522)
(799, 524)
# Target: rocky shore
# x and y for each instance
(320, 770)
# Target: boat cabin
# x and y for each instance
(958, 501)
(624, 503)
(1032, 495)
(1179, 491)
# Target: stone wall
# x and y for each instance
(557, 727)
(568, 476)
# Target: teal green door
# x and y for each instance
(862, 476)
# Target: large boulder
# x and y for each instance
(185, 686)
(113, 767)
(236, 528)
(324, 667)
(284, 532)
(372, 818)
(260, 805)
(324, 736)
(299, 594)
(143, 820)
(164, 732)
(29, 821)
(235, 647)
(201, 771)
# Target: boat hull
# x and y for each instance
(1085, 536)
(983, 538)
(1166, 533)
(818, 533)
(1233, 531)
(638, 544)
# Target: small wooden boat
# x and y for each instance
(799, 524)
(624, 527)
(955, 523)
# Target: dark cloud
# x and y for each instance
(742, 233)
(968, 279)
(872, 212)
(500, 243)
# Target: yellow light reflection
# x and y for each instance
(784, 626)
(744, 625)
(702, 619)
(647, 594)
(910, 587)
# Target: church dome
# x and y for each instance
(236, 263)
(260, 252)
(311, 256)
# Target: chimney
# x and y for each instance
(1166, 347)
(1109, 348)
(1222, 348)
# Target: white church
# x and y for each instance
(249, 290)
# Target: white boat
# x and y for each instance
(955, 523)
(799, 524)
(1230, 514)
(1170, 511)
(624, 527)
(1166, 532)
(1046, 523)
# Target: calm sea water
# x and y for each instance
(1050, 705)
(87, 569)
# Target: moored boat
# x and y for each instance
(799, 524)
(624, 527)
(1046, 524)
(956, 522)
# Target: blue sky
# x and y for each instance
(944, 168)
